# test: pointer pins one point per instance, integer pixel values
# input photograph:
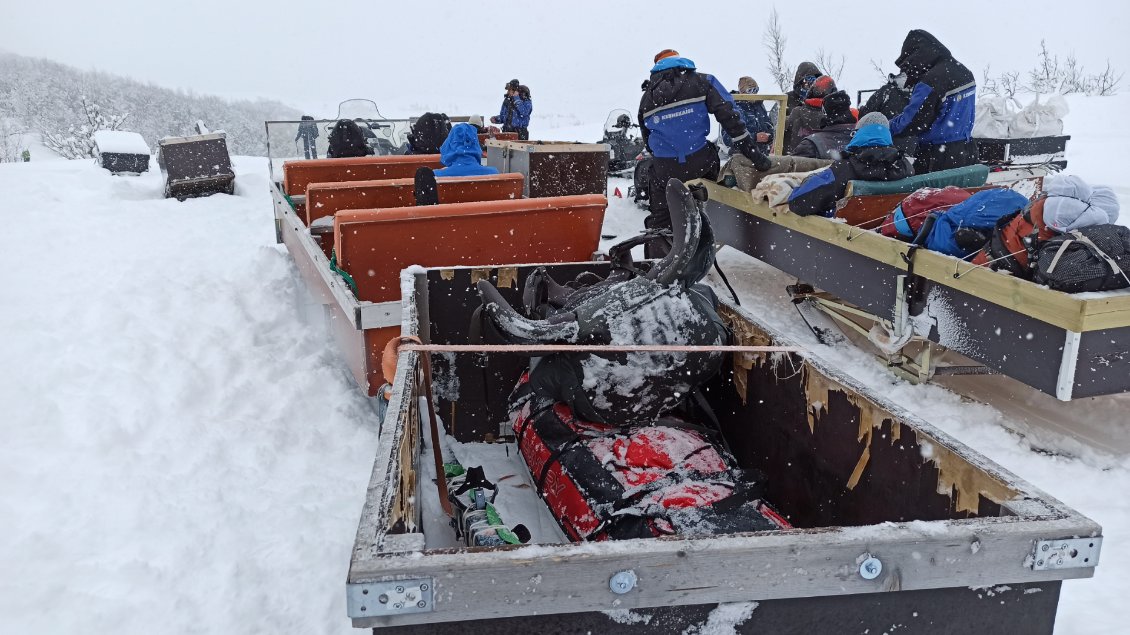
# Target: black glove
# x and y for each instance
(761, 163)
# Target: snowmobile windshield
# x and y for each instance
(358, 109)
(618, 120)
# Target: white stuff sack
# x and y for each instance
(992, 118)
(1039, 119)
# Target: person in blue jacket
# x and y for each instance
(461, 153)
(943, 99)
(517, 106)
(674, 118)
(870, 156)
(757, 120)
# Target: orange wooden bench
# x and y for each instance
(327, 199)
(297, 175)
(373, 246)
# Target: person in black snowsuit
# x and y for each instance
(347, 140)
(308, 133)
(871, 156)
(674, 118)
(836, 130)
(942, 104)
(806, 73)
(891, 100)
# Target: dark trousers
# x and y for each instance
(702, 164)
(945, 156)
(309, 149)
(523, 133)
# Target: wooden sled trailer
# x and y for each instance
(363, 230)
(1069, 346)
(894, 521)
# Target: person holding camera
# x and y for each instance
(516, 109)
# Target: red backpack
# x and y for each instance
(1015, 239)
(907, 219)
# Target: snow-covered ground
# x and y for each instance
(182, 453)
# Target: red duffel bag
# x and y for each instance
(605, 482)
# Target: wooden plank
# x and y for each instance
(1060, 309)
(779, 126)
(487, 584)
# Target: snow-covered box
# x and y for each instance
(198, 165)
(553, 168)
(121, 152)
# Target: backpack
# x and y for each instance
(347, 140)
(428, 133)
(1095, 258)
(907, 219)
(1014, 241)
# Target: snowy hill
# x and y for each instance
(46, 96)
(183, 453)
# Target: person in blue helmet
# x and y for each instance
(870, 156)
(461, 153)
(674, 118)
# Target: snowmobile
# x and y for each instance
(625, 143)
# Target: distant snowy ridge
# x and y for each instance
(44, 96)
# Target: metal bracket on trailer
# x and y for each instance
(1066, 553)
(390, 597)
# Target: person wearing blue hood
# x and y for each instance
(674, 118)
(461, 153)
(870, 156)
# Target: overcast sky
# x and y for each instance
(579, 57)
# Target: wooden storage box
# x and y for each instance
(858, 477)
(1031, 151)
(196, 166)
(121, 152)
(553, 168)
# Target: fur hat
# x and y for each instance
(822, 87)
(665, 53)
(747, 85)
(873, 118)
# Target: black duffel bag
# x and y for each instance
(1095, 258)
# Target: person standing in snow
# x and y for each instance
(943, 96)
(674, 118)
(871, 156)
(836, 130)
(517, 105)
(308, 133)
(757, 121)
(461, 153)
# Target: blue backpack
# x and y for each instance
(958, 231)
